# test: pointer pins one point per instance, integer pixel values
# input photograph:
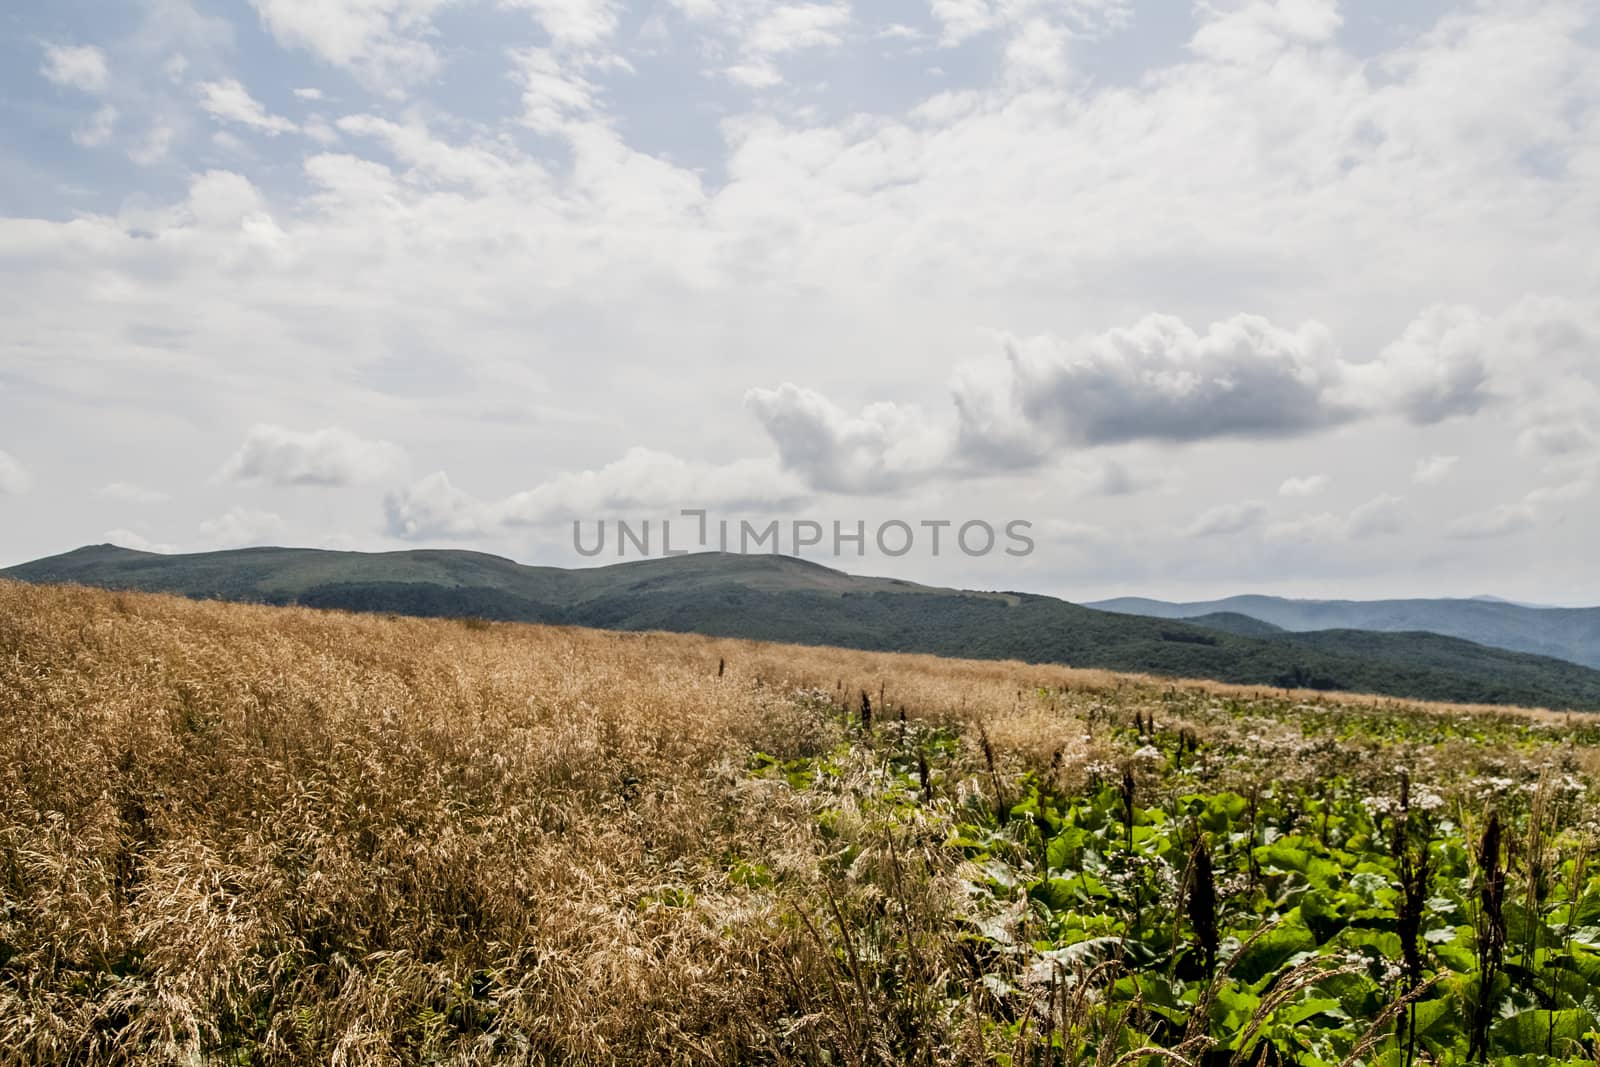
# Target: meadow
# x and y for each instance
(240, 835)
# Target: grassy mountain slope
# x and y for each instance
(783, 599)
(1567, 633)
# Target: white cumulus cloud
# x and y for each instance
(274, 455)
(99, 128)
(647, 478)
(1535, 507)
(1227, 519)
(1378, 517)
(435, 508)
(81, 67)
(791, 27)
(240, 527)
(572, 23)
(230, 101)
(1309, 485)
(1500, 521)
(1257, 30)
(1437, 369)
(1559, 437)
(884, 448)
(642, 479)
(385, 42)
(1431, 470)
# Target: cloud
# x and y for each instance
(1564, 492)
(415, 146)
(230, 101)
(129, 493)
(1432, 470)
(383, 42)
(1159, 380)
(433, 508)
(221, 202)
(1530, 511)
(1454, 361)
(1037, 53)
(273, 455)
(572, 23)
(1156, 381)
(1325, 527)
(1227, 519)
(1437, 369)
(1565, 437)
(899, 31)
(98, 130)
(760, 32)
(1310, 485)
(992, 432)
(1258, 30)
(154, 146)
(554, 95)
(642, 479)
(962, 20)
(443, 262)
(319, 130)
(648, 479)
(241, 527)
(885, 448)
(309, 93)
(793, 27)
(1378, 517)
(755, 74)
(81, 67)
(1112, 478)
(14, 478)
(1497, 522)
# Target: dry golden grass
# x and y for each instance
(271, 835)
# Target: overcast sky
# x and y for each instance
(1243, 296)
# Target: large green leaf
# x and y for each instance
(1065, 848)
(1556, 1033)
(1062, 894)
(1272, 950)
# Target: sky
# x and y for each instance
(1284, 296)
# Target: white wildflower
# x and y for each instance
(1427, 800)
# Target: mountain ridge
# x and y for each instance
(1572, 634)
(782, 598)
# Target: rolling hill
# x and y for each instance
(780, 598)
(1566, 633)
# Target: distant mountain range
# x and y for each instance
(1566, 633)
(779, 598)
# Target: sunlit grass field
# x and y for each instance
(249, 835)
